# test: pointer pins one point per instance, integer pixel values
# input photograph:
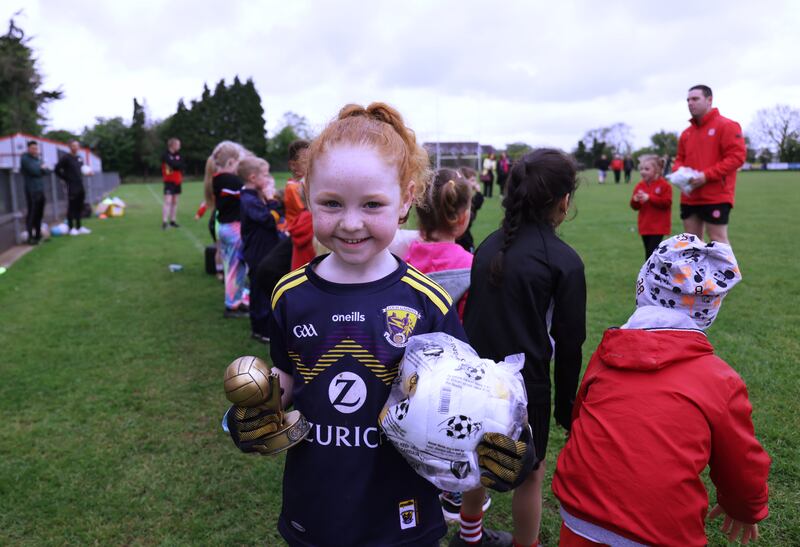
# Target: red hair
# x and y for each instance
(381, 127)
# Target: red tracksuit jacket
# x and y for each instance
(716, 147)
(302, 233)
(655, 215)
(654, 408)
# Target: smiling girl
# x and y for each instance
(652, 197)
(339, 328)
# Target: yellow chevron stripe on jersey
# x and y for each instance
(442, 305)
(285, 279)
(415, 273)
(345, 347)
(294, 273)
(287, 282)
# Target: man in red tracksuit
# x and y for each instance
(655, 407)
(715, 146)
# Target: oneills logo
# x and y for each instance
(400, 323)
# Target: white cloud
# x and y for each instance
(538, 72)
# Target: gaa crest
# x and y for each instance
(400, 323)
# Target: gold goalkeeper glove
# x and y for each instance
(504, 462)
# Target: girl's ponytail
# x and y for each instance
(447, 197)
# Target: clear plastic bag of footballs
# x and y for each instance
(682, 177)
(442, 402)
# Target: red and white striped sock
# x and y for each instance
(471, 528)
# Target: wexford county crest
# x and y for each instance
(400, 323)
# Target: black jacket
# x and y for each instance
(68, 169)
(602, 164)
(542, 295)
(227, 196)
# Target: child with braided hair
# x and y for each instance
(524, 274)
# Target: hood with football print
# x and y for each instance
(690, 276)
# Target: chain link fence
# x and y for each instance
(13, 207)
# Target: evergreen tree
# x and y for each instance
(231, 112)
(251, 119)
(139, 137)
(22, 101)
(582, 156)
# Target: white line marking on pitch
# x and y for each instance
(185, 232)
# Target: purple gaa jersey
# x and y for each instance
(346, 484)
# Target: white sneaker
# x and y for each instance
(74, 232)
(84, 230)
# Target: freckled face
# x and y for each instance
(356, 203)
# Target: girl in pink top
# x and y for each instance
(443, 217)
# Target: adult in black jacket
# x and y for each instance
(33, 171)
(466, 240)
(627, 166)
(528, 295)
(69, 169)
(602, 165)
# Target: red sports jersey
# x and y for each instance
(655, 215)
(716, 147)
(172, 167)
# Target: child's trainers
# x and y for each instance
(451, 505)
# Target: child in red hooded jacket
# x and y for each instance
(655, 407)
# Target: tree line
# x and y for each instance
(234, 112)
(230, 112)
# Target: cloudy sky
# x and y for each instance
(538, 72)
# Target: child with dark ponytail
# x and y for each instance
(528, 295)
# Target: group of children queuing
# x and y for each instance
(655, 406)
(254, 224)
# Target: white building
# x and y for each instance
(13, 146)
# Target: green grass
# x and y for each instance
(111, 371)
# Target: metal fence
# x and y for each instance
(13, 206)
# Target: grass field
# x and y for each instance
(111, 371)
